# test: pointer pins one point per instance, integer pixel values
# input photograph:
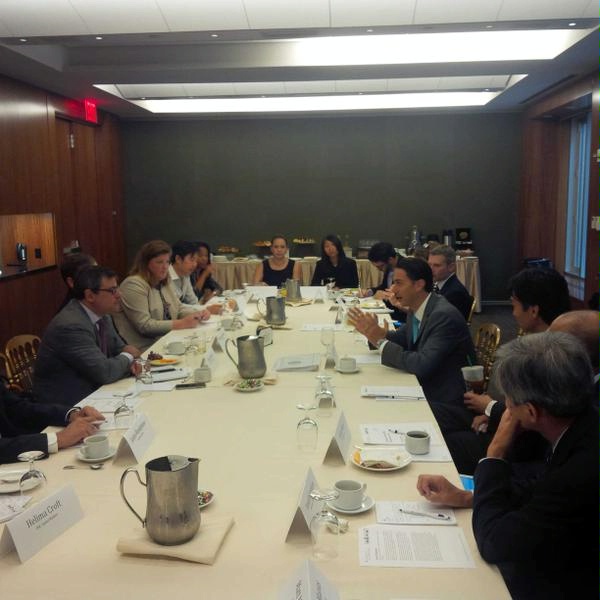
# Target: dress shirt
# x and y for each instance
(183, 287)
(419, 318)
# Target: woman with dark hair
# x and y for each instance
(205, 287)
(335, 265)
(150, 304)
(276, 269)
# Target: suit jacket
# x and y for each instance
(544, 538)
(456, 293)
(443, 346)
(70, 364)
(21, 420)
(141, 323)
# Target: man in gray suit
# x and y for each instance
(81, 350)
(433, 344)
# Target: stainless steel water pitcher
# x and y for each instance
(251, 356)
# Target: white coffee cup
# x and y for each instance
(351, 494)
(175, 347)
(347, 364)
(95, 446)
(417, 442)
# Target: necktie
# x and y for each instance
(415, 328)
(102, 341)
(436, 288)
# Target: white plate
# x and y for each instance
(247, 390)
(13, 486)
(367, 504)
(111, 452)
(347, 372)
(210, 500)
(168, 361)
(406, 460)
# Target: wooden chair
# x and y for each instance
(21, 352)
(473, 305)
(487, 340)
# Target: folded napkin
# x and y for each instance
(268, 379)
(381, 458)
(202, 548)
(299, 302)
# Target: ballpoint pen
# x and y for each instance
(416, 513)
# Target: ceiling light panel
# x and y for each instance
(542, 9)
(41, 17)
(358, 13)
(203, 15)
(317, 103)
(117, 16)
(456, 11)
(281, 14)
(153, 90)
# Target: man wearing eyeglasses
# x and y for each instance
(81, 349)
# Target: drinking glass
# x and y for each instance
(330, 284)
(324, 526)
(307, 430)
(33, 476)
(324, 396)
(143, 376)
(123, 412)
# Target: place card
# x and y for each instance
(308, 583)
(339, 447)
(36, 527)
(306, 508)
(220, 339)
(135, 441)
(209, 358)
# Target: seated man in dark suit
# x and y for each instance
(542, 536)
(435, 341)
(21, 420)
(80, 349)
(442, 260)
(383, 257)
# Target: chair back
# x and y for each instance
(487, 340)
(21, 352)
(471, 311)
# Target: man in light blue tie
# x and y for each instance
(435, 342)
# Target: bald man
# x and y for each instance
(584, 325)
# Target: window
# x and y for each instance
(577, 203)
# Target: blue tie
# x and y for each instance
(415, 328)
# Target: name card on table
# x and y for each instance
(339, 447)
(210, 357)
(136, 440)
(36, 527)
(305, 509)
(220, 339)
(314, 292)
(308, 583)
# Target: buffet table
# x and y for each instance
(232, 274)
(250, 461)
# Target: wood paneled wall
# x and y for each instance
(81, 185)
(543, 197)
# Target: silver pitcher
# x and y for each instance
(251, 356)
(292, 290)
(172, 509)
(275, 310)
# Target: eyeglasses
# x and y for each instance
(112, 290)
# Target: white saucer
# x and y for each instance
(367, 504)
(14, 475)
(111, 452)
(347, 372)
(248, 390)
(202, 504)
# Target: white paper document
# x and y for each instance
(11, 506)
(413, 513)
(393, 392)
(298, 362)
(308, 583)
(413, 546)
(110, 403)
(392, 434)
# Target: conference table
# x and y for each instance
(232, 274)
(251, 462)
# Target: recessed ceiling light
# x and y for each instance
(489, 27)
(22, 39)
(99, 37)
(214, 35)
(572, 24)
(369, 31)
(486, 90)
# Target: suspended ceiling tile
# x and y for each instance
(360, 85)
(542, 9)
(357, 13)
(464, 83)
(410, 84)
(252, 88)
(4, 31)
(118, 16)
(29, 18)
(203, 15)
(153, 90)
(309, 87)
(287, 14)
(209, 89)
(591, 10)
(499, 81)
(456, 11)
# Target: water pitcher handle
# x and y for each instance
(125, 473)
(260, 312)
(227, 341)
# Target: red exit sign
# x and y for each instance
(90, 111)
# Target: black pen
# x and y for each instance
(163, 369)
(185, 386)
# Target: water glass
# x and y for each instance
(33, 477)
(143, 376)
(324, 396)
(324, 527)
(307, 430)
